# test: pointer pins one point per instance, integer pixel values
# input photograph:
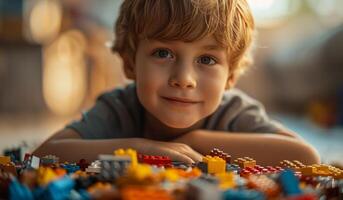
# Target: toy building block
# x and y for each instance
(170, 174)
(214, 164)
(49, 160)
(31, 161)
(141, 193)
(60, 189)
(209, 178)
(226, 180)
(335, 172)
(233, 168)
(99, 186)
(83, 164)
(114, 166)
(19, 191)
(5, 160)
(201, 189)
(289, 183)
(94, 167)
(264, 184)
(141, 174)
(294, 165)
(202, 166)
(155, 160)
(245, 162)
(220, 154)
(257, 169)
(9, 168)
(70, 167)
(189, 173)
(45, 176)
(302, 197)
(243, 194)
(14, 153)
(128, 152)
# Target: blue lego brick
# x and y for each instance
(233, 168)
(202, 166)
(56, 190)
(70, 168)
(243, 194)
(289, 183)
(17, 191)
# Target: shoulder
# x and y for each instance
(236, 96)
(239, 112)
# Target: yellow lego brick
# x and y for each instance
(226, 180)
(5, 159)
(139, 171)
(295, 164)
(308, 170)
(45, 176)
(170, 175)
(214, 164)
(128, 152)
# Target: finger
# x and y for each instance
(194, 155)
(177, 156)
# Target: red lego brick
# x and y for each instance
(155, 160)
(220, 154)
(83, 164)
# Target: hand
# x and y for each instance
(176, 151)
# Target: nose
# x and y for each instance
(182, 77)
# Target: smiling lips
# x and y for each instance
(180, 101)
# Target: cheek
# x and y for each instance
(213, 89)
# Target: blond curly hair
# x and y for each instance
(229, 21)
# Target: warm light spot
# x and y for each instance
(270, 13)
(45, 20)
(64, 73)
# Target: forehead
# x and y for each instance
(207, 43)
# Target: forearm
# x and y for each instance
(72, 150)
(267, 149)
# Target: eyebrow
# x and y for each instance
(206, 47)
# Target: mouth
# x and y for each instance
(183, 101)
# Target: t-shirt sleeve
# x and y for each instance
(253, 119)
(100, 122)
(240, 113)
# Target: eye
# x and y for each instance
(207, 60)
(163, 53)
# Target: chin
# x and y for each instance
(178, 124)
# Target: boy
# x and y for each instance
(184, 57)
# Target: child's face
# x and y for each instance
(180, 83)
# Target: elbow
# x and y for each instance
(305, 153)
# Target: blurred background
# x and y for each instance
(55, 61)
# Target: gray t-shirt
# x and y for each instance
(119, 114)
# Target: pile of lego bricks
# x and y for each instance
(128, 175)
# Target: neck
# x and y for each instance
(156, 130)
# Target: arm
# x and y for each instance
(69, 146)
(266, 149)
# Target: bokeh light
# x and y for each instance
(270, 13)
(64, 73)
(45, 20)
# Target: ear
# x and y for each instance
(231, 81)
(129, 67)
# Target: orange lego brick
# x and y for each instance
(145, 193)
(245, 162)
(295, 164)
(5, 160)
